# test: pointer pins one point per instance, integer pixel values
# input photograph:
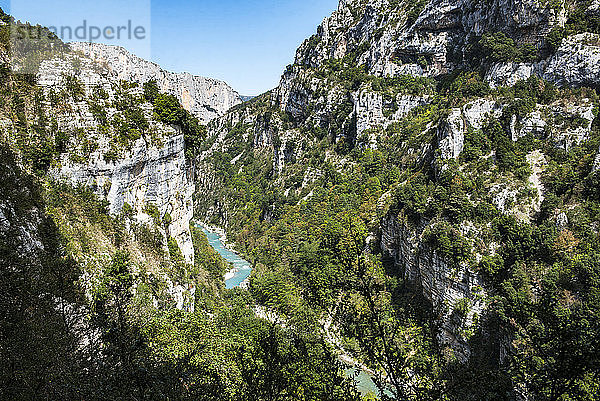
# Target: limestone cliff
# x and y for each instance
(94, 96)
(429, 39)
(148, 174)
(105, 150)
(205, 98)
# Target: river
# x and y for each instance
(239, 275)
(241, 268)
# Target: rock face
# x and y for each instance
(567, 125)
(451, 133)
(392, 38)
(146, 175)
(149, 169)
(370, 109)
(406, 40)
(596, 165)
(507, 74)
(455, 292)
(205, 98)
(380, 36)
(577, 62)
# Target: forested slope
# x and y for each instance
(422, 187)
(108, 291)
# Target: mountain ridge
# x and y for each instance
(206, 98)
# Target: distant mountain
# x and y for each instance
(205, 98)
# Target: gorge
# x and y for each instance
(420, 196)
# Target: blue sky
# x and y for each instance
(245, 43)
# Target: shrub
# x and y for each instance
(168, 110)
(554, 39)
(448, 242)
(150, 237)
(127, 210)
(174, 252)
(462, 306)
(117, 277)
(531, 91)
(135, 118)
(39, 154)
(152, 210)
(497, 47)
(61, 138)
(476, 145)
(490, 266)
(99, 113)
(151, 91)
(507, 156)
(461, 85)
(167, 219)
(580, 21)
(74, 87)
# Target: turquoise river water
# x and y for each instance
(242, 267)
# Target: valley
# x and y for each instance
(412, 213)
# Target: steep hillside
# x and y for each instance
(108, 291)
(456, 143)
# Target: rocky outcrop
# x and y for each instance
(146, 175)
(205, 98)
(533, 123)
(471, 116)
(577, 62)
(575, 123)
(456, 293)
(393, 38)
(372, 111)
(508, 74)
(566, 124)
(596, 165)
(451, 135)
